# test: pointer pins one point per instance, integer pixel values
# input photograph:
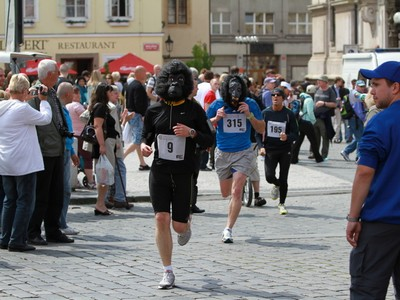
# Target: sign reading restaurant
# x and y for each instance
(42, 45)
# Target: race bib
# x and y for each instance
(171, 147)
(234, 123)
(275, 128)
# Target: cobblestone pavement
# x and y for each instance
(303, 255)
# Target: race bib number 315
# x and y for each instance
(171, 147)
(235, 123)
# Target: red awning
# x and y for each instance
(127, 64)
(32, 68)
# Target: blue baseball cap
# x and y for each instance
(388, 70)
(360, 82)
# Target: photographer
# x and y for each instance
(50, 182)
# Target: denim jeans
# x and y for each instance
(120, 185)
(2, 195)
(18, 208)
(67, 189)
(356, 127)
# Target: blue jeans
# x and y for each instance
(18, 208)
(356, 127)
(2, 195)
(137, 126)
(120, 181)
(67, 189)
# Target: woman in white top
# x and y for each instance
(20, 159)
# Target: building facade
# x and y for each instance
(89, 33)
(256, 35)
(343, 26)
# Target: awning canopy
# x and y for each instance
(32, 68)
(127, 64)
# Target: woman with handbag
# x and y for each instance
(106, 135)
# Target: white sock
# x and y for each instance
(168, 268)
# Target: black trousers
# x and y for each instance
(271, 161)
(49, 198)
(306, 128)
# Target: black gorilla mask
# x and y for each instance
(176, 83)
(235, 90)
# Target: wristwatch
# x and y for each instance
(349, 219)
(192, 132)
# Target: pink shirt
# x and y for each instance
(75, 110)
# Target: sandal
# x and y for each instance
(144, 168)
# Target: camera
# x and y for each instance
(65, 133)
(39, 89)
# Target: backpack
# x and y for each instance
(346, 111)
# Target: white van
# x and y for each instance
(16, 60)
(353, 62)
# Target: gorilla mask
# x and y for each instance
(175, 81)
(233, 91)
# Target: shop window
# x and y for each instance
(299, 23)
(259, 23)
(30, 12)
(119, 12)
(220, 23)
(177, 12)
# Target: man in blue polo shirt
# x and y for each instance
(373, 227)
(234, 116)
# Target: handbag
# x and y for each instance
(88, 134)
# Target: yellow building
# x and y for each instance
(88, 33)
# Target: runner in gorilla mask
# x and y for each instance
(175, 124)
(234, 115)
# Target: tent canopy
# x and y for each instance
(127, 64)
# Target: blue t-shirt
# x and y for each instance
(233, 131)
(380, 149)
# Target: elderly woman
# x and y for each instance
(106, 142)
(20, 159)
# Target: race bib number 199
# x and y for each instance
(235, 123)
(171, 147)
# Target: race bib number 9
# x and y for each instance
(171, 147)
(274, 129)
(235, 123)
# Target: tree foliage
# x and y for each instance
(201, 57)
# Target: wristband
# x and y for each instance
(250, 117)
(349, 219)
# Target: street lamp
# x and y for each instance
(169, 45)
(246, 40)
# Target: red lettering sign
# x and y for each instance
(151, 47)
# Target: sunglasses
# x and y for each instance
(276, 95)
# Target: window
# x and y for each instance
(259, 23)
(177, 11)
(75, 9)
(30, 9)
(120, 8)
(299, 23)
(221, 23)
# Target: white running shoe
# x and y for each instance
(227, 236)
(184, 238)
(282, 209)
(69, 231)
(168, 281)
(275, 192)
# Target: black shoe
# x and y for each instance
(37, 241)
(144, 168)
(119, 204)
(4, 247)
(311, 156)
(337, 141)
(102, 213)
(62, 238)
(197, 210)
(260, 201)
(21, 248)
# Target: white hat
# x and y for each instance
(286, 85)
